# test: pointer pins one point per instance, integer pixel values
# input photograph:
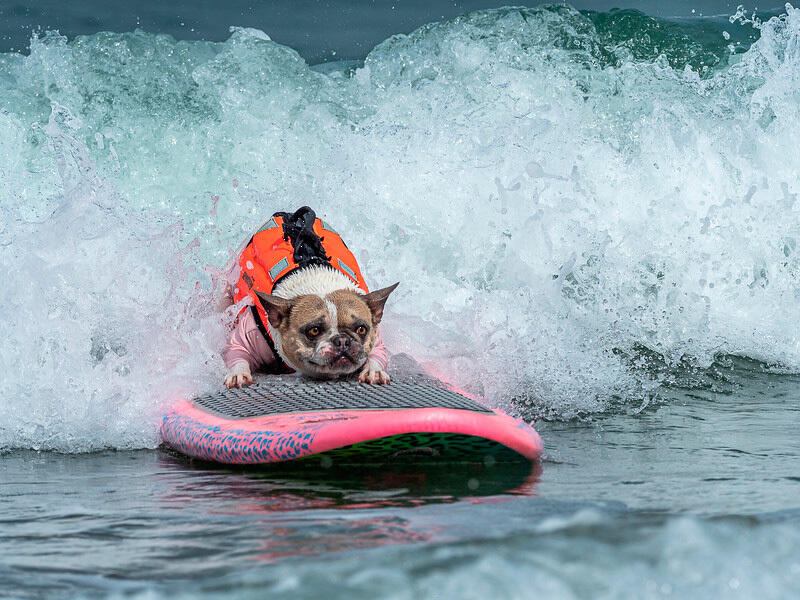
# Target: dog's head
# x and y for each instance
(326, 336)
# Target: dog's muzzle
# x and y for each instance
(340, 351)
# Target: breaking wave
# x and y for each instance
(561, 194)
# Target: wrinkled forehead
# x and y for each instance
(350, 306)
(308, 308)
(347, 306)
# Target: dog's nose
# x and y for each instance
(341, 341)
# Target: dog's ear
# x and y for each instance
(277, 308)
(377, 299)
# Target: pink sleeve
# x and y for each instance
(246, 343)
(379, 353)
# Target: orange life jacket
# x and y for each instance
(282, 245)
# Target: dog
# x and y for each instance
(310, 312)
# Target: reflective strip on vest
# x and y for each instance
(328, 227)
(347, 270)
(278, 267)
(271, 224)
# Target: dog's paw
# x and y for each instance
(239, 376)
(373, 373)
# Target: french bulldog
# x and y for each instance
(321, 325)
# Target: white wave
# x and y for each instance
(545, 209)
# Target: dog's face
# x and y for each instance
(328, 336)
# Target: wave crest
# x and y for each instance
(555, 189)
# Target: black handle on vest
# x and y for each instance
(298, 228)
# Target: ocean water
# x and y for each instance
(594, 218)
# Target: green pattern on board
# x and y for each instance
(420, 446)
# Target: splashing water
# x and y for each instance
(552, 192)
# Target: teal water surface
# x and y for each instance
(694, 497)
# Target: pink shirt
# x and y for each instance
(247, 344)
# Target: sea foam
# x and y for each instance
(557, 202)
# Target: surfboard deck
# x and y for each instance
(282, 419)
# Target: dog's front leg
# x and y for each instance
(373, 373)
(239, 375)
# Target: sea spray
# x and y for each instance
(556, 192)
(102, 319)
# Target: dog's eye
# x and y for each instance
(313, 332)
(362, 330)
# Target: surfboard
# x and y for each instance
(288, 419)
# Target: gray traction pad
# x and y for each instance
(279, 395)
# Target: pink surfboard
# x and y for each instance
(289, 419)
